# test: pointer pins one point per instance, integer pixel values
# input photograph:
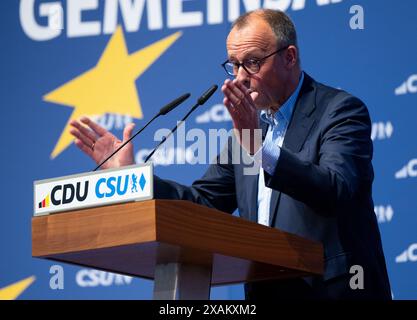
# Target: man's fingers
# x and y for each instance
(84, 148)
(227, 103)
(247, 101)
(234, 112)
(254, 95)
(82, 137)
(237, 88)
(90, 135)
(246, 91)
(229, 91)
(127, 132)
(232, 100)
(94, 126)
(238, 95)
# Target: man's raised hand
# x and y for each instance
(98, 143)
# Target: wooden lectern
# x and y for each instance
(183, 246)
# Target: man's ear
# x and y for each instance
(291, 56)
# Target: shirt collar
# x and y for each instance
(286, 110)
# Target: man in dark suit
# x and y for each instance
(314, 155)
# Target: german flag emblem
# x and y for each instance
(44, 203)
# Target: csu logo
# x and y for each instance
(408, 86)
(409, 170)
(108, 187)
(408, 255)
(384, 213)
(381, 130)
(94, 278)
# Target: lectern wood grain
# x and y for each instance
(131, 238)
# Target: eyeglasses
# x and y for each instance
(251, 66)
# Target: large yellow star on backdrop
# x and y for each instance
(14, 290)
(109, 87)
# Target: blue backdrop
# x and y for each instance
(62, 59)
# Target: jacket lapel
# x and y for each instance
(302, 120)
(297, 131)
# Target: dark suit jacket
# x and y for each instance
(322, 187)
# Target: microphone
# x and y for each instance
(163, 111)
(200, 101)
(173, 104)
(206, 95)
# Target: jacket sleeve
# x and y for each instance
(216, 188)
(344, 171)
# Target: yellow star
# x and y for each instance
(109, 87)
(14, 290)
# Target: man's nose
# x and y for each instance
(243, 77)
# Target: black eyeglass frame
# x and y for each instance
(256, 61)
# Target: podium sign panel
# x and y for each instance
(93, 189)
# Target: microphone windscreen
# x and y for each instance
(206, 95)
(173, 104)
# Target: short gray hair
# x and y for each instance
(280, 23)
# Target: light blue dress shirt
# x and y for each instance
(267, 156)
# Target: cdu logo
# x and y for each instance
(65, 194)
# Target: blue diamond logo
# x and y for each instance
(142, 181)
